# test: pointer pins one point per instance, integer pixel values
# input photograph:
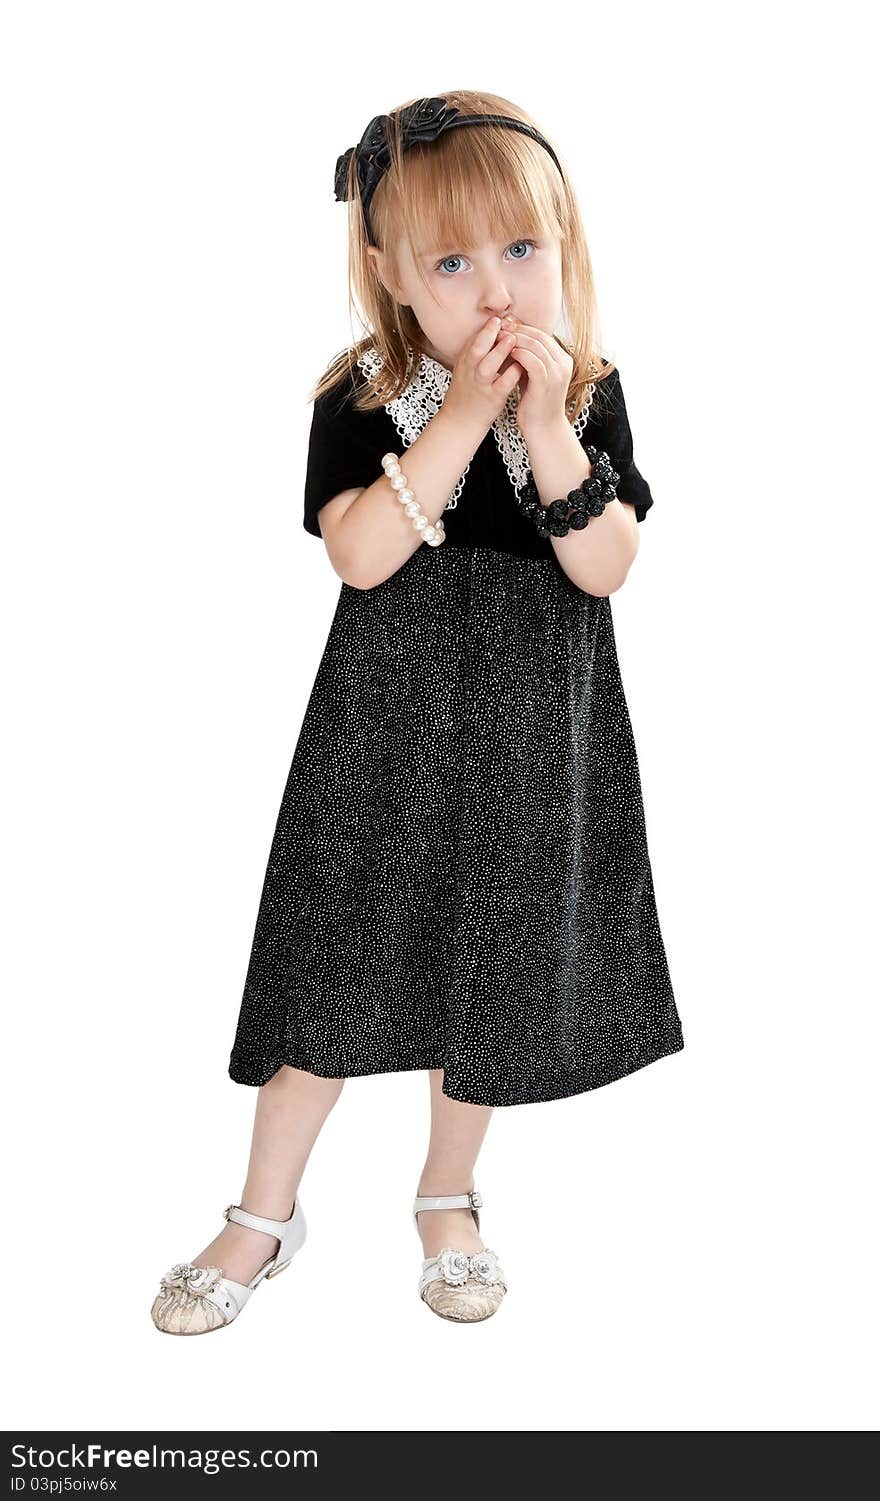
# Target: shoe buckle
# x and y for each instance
(476, 1200)
(228, 1209)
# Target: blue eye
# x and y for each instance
(446, 258)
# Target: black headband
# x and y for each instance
(423, 121)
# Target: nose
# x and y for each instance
(497, 302)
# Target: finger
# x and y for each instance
(486, 337)
(548, 341)
(510, 376)
(497, 354)
(538, 340)
(532, 351)
(534, 366)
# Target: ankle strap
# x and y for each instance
(257, 1221)
(471, 1200)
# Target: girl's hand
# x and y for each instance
(548, 371)
(477, 391)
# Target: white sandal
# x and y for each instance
(197, 1299)
(456, 1285)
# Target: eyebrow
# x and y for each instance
(431, 255)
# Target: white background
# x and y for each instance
(690, 1247)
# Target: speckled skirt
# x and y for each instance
(459, 875)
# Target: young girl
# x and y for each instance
(459, 879)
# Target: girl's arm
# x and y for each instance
(367, 533)
(598, 557)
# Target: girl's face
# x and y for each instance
(466, 285)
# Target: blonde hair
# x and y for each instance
(426, 198)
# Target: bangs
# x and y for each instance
(475, 183)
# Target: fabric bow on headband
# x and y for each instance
(422, 121)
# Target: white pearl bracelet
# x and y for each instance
(432, 532)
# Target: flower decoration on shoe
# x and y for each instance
(186, 1300)
(192, 1280)
(457, 1267)
(484, 1266)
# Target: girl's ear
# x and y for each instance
(380, 266)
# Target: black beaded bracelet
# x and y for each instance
(574, 511)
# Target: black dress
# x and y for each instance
(459, 875)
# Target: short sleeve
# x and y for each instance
(608, 427)
(341, 455)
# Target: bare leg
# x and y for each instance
(457, 1131)
(291, 1109)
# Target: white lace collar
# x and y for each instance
(423, 398)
